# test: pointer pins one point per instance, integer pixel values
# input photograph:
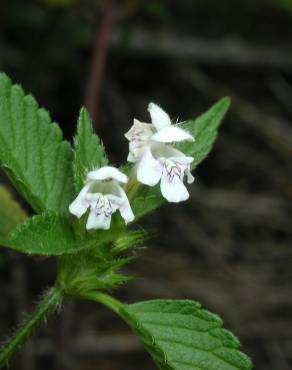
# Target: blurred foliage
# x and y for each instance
(44, 47)
(60, 3)
(158, 9)
(285, 4)
(11, 213)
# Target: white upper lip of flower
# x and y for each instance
(103, 195)
(169, 166)
(166, 131)
(160, 130)
(107, 173)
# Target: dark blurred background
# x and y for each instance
(229, 246)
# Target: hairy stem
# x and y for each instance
(49, 303)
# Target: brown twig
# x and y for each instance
(98, 62)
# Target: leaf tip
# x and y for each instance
(84, 114)
(4, 76)
(226, 102)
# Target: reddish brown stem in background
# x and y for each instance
(98, 62)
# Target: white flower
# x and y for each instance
(150, 146)
(138, 136)
(103, 195)
(160, 130)
(163, 163)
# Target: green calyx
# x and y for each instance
(98, 267)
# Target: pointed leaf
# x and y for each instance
(128, 241)
(48, 234)
(11, 214)
(32, 151)
(180, 335)
(89, 151)
(204, 129)
(147, 201)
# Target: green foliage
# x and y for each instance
(50, 302)
(129, 240)
(89, 151)
(11, 214)
(284, 4)
(147, 201)
(98, 268)
(204, 129)
(90, 271)
(32, 152)
(48, 234)
(157, 9)
(180, 335)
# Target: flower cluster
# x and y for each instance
(151, 150)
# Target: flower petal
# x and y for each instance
(149, 170)
(182, 160)
(92, 198)
(115, 201)
(163, 150)
(172, 134)
(132, 157)
(159, 117)
(125, 209)
(107, 173)
(79, 206)
(139, 131)
(100, 221)
(136, 150)
(184, 163)
(190, 177)
(174, 191)
(138, 136)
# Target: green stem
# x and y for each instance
(132, 188)
(49, 303)
(110, 302)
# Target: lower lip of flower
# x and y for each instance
(172, 170)
(103, 206)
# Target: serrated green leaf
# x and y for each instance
(89, 151)
(48, 235)
(147, 202)
(181, 335)
(32, 151)
(11, 213)
(204, 129)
